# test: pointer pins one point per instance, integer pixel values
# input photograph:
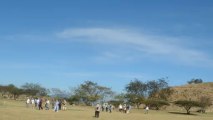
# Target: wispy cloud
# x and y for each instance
(131, 44)
(112, 57)
(80, 74)
(168, 47)
(19, 66)
(120, 75)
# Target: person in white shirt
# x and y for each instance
(38, 101)
(97, 110)
(64, 105)
(47, 104)
(120, 107)
(147, 110)
(28, 102)
(56, 108)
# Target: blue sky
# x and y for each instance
(60, 44)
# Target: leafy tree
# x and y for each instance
(156, 104)
(74, 99)
(34, 89)
(104, 92)
(164, 93)
(136, 91)
(14, 91)
(89, 92)
(120, 97)
(58, 93)
(135, 100)
(17, 92)
(3, 90)
(158, 89)
(187, 104)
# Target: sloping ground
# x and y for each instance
(192, 91)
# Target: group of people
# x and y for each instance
(104, 107)
(107, 107)
(41, 103)
(125, 108)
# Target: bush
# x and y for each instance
(195, 81)
(204, 103)
(156, 104)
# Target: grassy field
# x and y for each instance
(13, 110)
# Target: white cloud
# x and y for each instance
(167, 47)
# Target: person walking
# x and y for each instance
(102, 108)
(107, 107)
(124, 108)
(110, 108)
(37, 102)
(97, 110)
(28, 102)
(120, 108)
(128, 107)
(56, 108)
(147, 110)
(53, 103)
(40, 104)
(60, 104)
(47, 104)
(64, 105)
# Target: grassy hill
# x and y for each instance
(192, 91)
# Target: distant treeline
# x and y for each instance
(153, 93)
(28, 89)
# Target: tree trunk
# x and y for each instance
(188, 110)
(138, 105)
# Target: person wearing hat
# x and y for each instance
(97, 110)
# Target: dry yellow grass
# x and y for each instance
(193, 91)
(13, 110)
